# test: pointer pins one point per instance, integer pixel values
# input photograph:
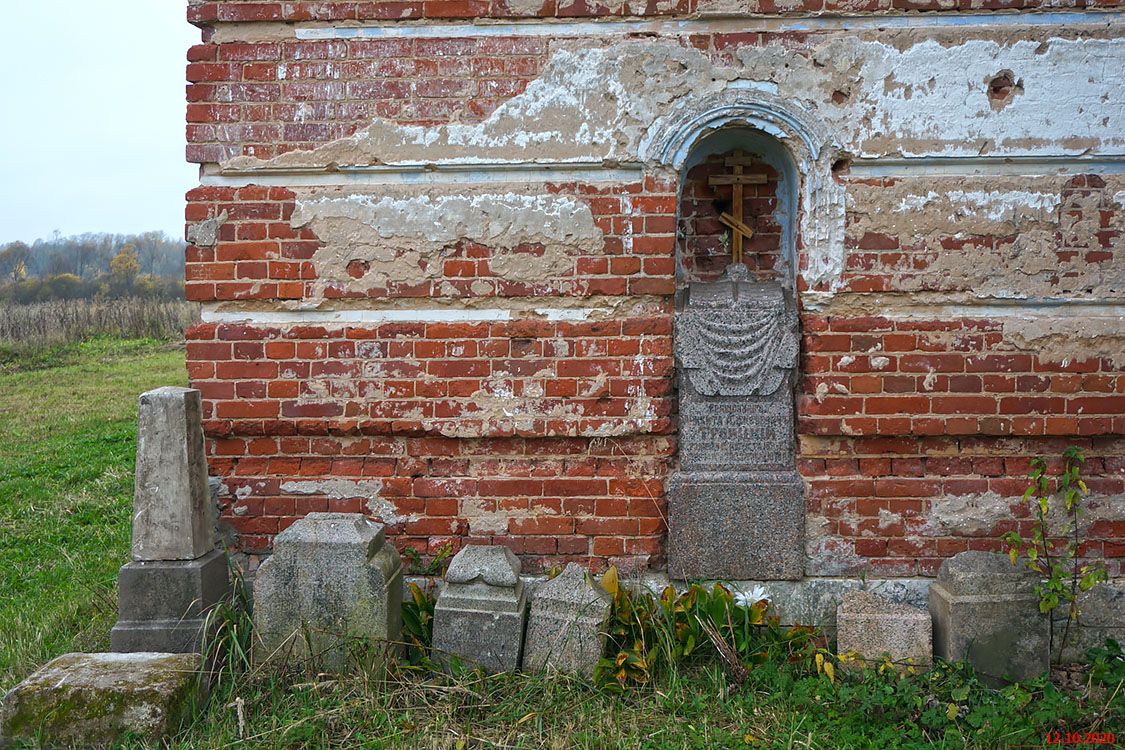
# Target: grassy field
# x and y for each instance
(66, 460)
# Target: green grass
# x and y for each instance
(68, 421)
(68, 424)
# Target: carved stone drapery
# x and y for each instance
(736, 337)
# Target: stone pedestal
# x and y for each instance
(736, 505)
(877, 628)
(177, 574)
(566, 627)
(162, 603)
(94, 700)
(332, 584)
(985, 611)
(480, 614)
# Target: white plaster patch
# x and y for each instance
(405, 237)
(345, 489)
(994, 205)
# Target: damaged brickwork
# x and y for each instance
(438, 245)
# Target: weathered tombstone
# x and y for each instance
(985, 611)
(93, 700)
(332, 583)
(566, 627)
(875, 627)
(736, 506)
(480, 614)
(177, 574)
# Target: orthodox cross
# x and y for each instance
(737, 161)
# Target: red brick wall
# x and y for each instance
(209, 11)
(704, 243)
(897, 413)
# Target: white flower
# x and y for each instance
(751, 597)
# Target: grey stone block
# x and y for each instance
(875, 627)
(162, 604)
(566, 626)
(173, 516)
(481, 612)
(95, 700)
(736, 526)
(985, 611)
(333, 579)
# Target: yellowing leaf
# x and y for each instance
(951, 711)
(830, 671)
(609, 581)
(819, 663)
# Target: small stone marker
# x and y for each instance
(332, 578)
(874, 627)
(481, 612)
(985, 610)
(566, 627)
(92, 700)
(177, 574)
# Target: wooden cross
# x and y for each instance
(737, 160)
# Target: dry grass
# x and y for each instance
(44, 325)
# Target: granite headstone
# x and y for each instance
(481, 612)
(333, 583)
(177, 574)
(736, 505)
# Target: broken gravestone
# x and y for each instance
(566, 627)
(985, 611)
(95, 700)
(331, 590)
(177, 574)
(480, 614)
(736, 505)
(875, 628)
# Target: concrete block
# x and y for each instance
(876, 627)
(481, 611)
(95, 700)
(333, 580)
(985, 611)
(162, 604)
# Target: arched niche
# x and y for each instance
(769, 209)
(786, 136)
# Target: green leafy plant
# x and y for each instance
(1107, 664)
(1054, 554)
(435, 566)
(418, 624)
(649, 634)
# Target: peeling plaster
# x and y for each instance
(345, 489)
(977, 514)
(404, 236)
(206, 233)
(600, 103)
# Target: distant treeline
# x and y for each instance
(93, 266)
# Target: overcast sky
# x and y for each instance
(92, 127)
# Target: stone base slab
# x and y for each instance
(162, 604)
(94, 700)
(736, 525)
